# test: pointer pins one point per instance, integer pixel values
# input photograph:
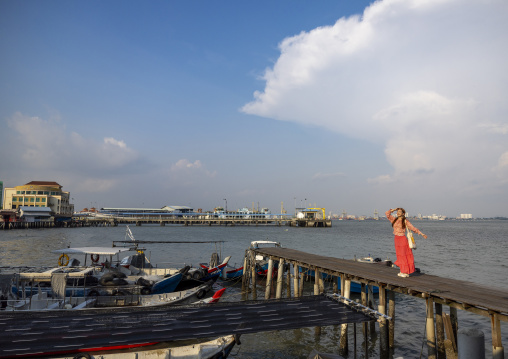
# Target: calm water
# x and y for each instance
(474, 251)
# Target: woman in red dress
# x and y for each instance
(405, 260)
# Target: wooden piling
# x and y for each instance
(391, 323)
(321, 283)
(317, 276)
(288, 279)
(246, 272)
(280, 272)
(364, 324)
(455, 322)
(497, 344)
(383, 330)
(431, 336)
(253, 271)
(296, 280)
(269, 276)
(441, 350)
(450, 343)
(300, 289)
(346, 292)
(370, 299)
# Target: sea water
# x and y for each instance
(473, 251)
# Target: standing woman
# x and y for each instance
(405, 260)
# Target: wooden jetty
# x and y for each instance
(436, 291)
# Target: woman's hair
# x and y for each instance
(403, 218)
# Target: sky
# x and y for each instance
(354, 106)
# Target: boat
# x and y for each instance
(262, 261)
(44, 300)
(139, 265)
(62, 330)
(218, 348)
(231, 273)
(94, 280)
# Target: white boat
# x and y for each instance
(198, 294)
(218, 348)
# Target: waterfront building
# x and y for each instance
(166, 210)
(1, 194)
(39, 194)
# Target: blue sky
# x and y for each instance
(348, 105)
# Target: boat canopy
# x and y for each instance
(255, 244)
(92, 250)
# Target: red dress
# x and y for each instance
(405, 259)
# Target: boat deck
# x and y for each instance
(455, 293)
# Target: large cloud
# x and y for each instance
(424, 78)
(47, 151)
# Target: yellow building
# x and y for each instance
(39, 194)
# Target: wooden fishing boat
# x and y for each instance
(194, 294)
(230, 273)
(218, 348)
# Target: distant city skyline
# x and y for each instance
(355, 105)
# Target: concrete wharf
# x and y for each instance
(274, 220)
(190, 220)
(437, 291)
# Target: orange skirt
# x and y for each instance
(405, 260)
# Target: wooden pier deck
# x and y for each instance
(452, 292)
(436, 291)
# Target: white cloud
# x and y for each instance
(382, 179)
(323, 176)
(45, 149)
(424, 78)
(112, 141)
(185, 164)
(188, 172)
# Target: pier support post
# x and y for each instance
(317, 276)
(300, 289)
(269, 276)
(383, 330)
(346, 292)
(280, 272)
(431, 333)
(455, 321)
(365, 328)
(288, 279)
(321, 283)
(391, 313)
(316, 281)
(245, 272)
(370, 299)
(441, 350)
(253, 270)
(497, 344)
(296, 280)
